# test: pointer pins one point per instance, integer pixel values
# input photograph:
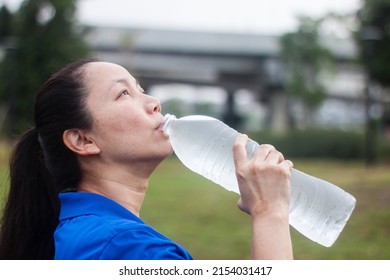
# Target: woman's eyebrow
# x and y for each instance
(122, 81)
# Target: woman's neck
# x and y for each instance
(119, 184)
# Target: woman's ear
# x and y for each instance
(78, 142)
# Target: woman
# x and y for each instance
(79, 177)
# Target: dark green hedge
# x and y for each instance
(315, 143)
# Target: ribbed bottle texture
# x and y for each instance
(318, 209)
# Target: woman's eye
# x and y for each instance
(125, 92)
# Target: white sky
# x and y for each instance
(255, 16)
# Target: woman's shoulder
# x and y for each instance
(107, 237)
(94, 227)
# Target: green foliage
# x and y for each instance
(45, 37)
(5, 22)
(305, 58)
(373, 39)
(316, 143)
(4, 181)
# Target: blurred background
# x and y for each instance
(310, 77)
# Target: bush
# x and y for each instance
(315, 143)
(384, 150)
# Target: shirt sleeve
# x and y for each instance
(143, 244)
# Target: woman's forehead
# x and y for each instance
(106, 69)
(101, 78)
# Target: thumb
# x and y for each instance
(239, 151)
(240, 206)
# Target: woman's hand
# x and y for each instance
(264, 180)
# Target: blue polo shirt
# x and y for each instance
(92, 226)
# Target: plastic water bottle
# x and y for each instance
(318, 209)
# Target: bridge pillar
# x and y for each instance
(230, 116)
(279, 114)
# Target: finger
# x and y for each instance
(287, 166)
(263, 151)
(239, 151)
(274, 157)
(289, 163)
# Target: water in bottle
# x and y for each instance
(318, 209)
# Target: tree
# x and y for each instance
(6, 43)
(373, 39)
(305, 58)
(5, 22)
(45, 37)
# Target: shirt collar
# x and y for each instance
(83, 203)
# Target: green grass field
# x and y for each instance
(203, 217)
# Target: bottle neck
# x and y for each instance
(168, 118)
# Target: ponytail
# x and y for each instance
(32, 209)
(41, 166)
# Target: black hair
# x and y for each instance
(41, 166)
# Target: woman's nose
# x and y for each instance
(157, 107)
(154, 105)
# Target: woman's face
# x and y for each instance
(126, 121)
